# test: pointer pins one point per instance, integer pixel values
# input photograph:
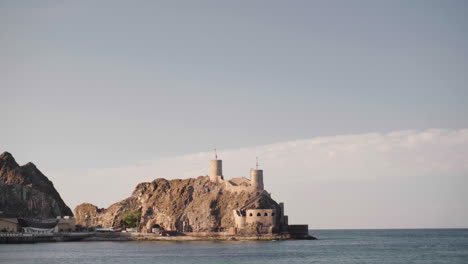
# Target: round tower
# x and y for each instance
(216, 170)
(256, 177)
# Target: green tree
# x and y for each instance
(130, 218)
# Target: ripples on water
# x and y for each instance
(333, 246)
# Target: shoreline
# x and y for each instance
(184, 237)
(20, 238)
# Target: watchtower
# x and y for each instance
(256, 177)
(216, 169)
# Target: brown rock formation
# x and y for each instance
(26, 192)
(189, 205)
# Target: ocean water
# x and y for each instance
(333, 246)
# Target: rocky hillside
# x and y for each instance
(26, 192)
(189, 205)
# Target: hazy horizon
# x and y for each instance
(357, 109)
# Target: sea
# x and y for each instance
(332, 246)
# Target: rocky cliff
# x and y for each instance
(189, 205)
(26, 192)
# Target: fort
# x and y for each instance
(255, 216)
(255, 183)
(207, 207)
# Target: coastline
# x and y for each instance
(188, 237)
(20, 238)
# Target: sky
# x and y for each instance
(357, 109)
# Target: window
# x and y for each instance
(266, 214)
(258, 214)
(251, 214)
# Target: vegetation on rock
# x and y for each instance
(130, 218)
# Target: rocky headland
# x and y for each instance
(189, 205)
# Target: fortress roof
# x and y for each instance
(261, 201)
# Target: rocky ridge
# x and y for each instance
(188, 205)
(26, 192)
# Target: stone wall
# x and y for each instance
(229, 186)
(239, 219)
(298, 231)
(266, 217)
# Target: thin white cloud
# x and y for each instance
(397, 179)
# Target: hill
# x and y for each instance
(26, 192)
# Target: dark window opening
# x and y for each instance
(251, 214)
(258, 214)
(266, 214)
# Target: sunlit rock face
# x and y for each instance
(26, 192)
(189, 205)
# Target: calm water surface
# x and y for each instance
(333, 246)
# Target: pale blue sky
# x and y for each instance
(102, 84)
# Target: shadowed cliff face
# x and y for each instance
(26, 192)
(189, 205)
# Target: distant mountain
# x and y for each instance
(26, 192)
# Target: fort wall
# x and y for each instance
(267, 217)
(239, 219)
(231, 187)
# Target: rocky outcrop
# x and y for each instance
(26, 192)
(189, 205)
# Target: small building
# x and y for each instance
(37, 226)
(105, 229)
(47, 225)
(9, 225)
(260, 215)
(65, 224)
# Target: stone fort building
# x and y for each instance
(261, 214)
